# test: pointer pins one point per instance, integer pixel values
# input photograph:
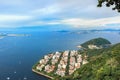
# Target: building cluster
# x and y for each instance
(75, 61)
(43, 62)
(51, 65)
(63, 63)
(59, 63)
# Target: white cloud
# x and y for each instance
(4, 18)
(77, 22)
(13, 20)
(51, 9)
(81, 23)
(76, 13)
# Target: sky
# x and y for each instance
(62, 14)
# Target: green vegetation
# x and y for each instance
(110, 3)
(103, 66)
(97, 41)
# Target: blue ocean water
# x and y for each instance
(18, 54)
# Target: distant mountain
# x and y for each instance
(111, 30)
(105, 30)
(96, 43)
(64, 31)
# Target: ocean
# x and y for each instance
(19, 53)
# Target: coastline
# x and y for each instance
(42, 74)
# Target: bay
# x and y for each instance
(19, 53)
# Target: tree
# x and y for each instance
(108, 3)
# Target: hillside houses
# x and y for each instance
(58, 62)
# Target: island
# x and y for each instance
(3, 35)
(83, 64)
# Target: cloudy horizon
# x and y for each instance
(73, 14)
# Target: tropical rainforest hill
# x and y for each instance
(97, 41)
(105, 65)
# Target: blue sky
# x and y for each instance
(82, 14)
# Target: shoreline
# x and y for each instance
(42, 74)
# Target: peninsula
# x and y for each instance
(98, 61)
(59, 64)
